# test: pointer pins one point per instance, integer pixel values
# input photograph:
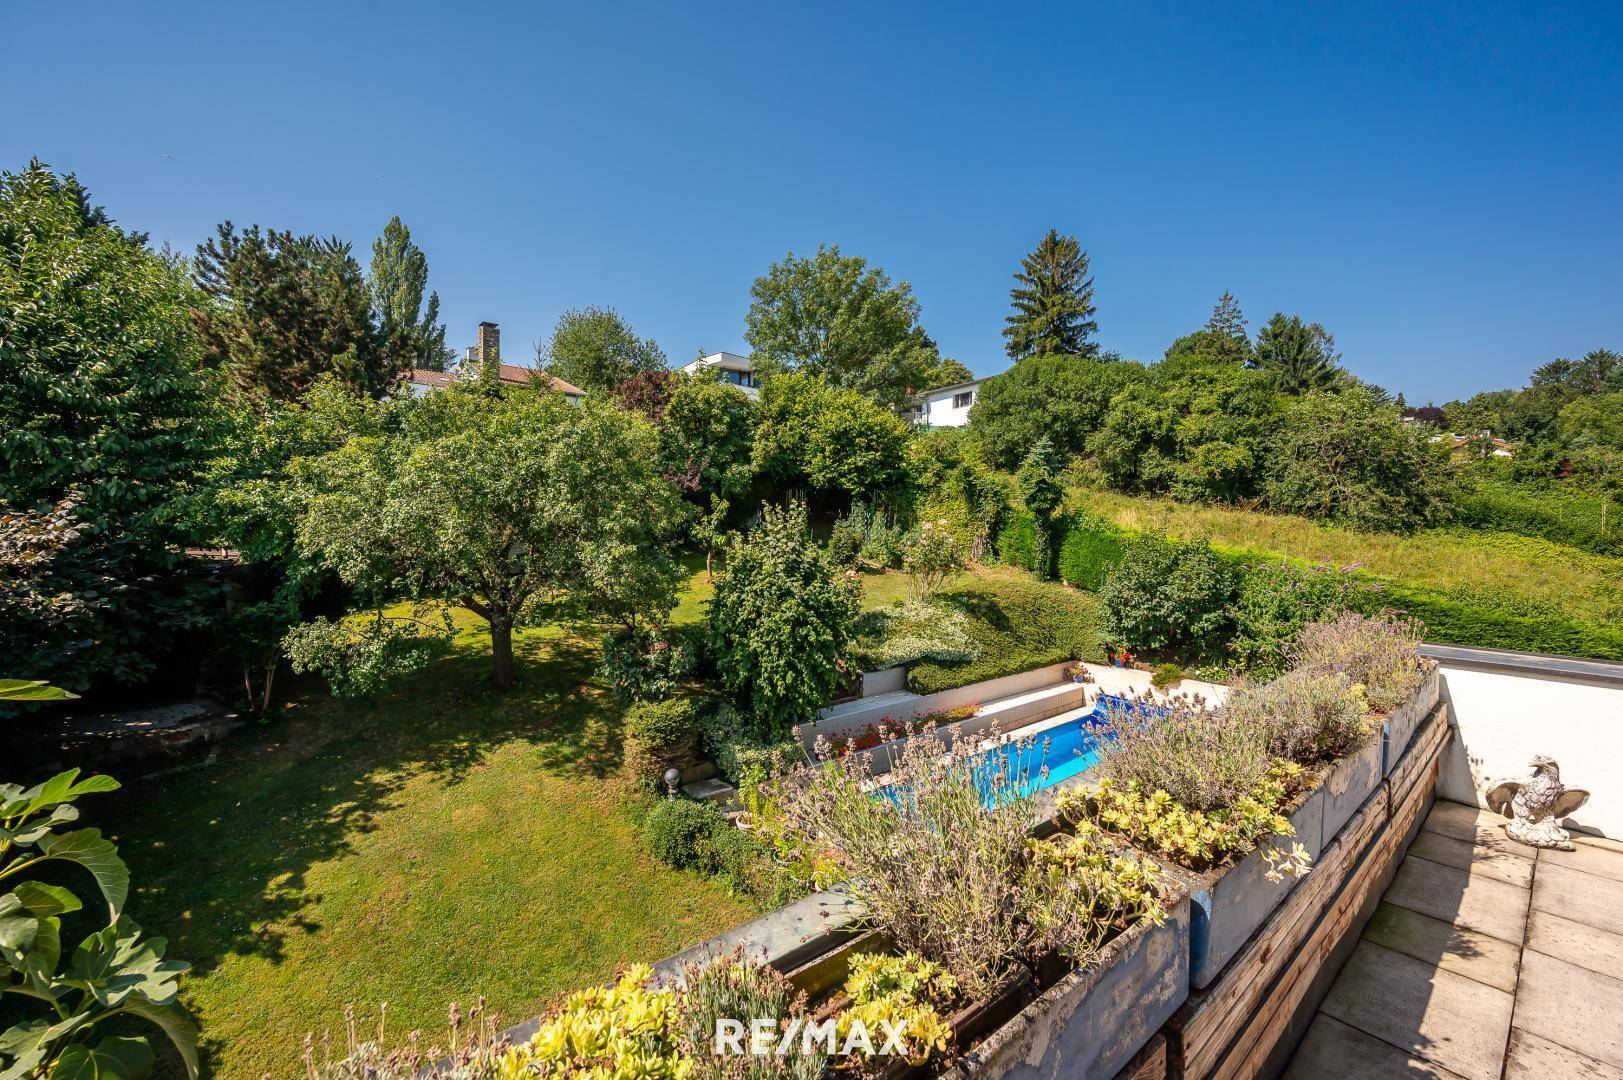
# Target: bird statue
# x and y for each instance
(1536, 805)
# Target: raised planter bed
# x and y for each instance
(1349, 784)
(1400, 724)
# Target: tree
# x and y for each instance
(707, 440)
(835, 317)
(517, 506)
(1053, 302)
(1346, 457)
(1224, 336)
(1593, 430)
(103, 424)
(286, 309)
(399, 276)
(597, 350)
(1168, 594)
(781, 621)
(1298, 356)
(648, 393)
(812, 435)
(1061, 398)
(1041, 492)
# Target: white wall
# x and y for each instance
(1505, 712)
(936, 410)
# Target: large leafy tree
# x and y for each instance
(836, 317)
(104, 420)
(1349, 457)
(1053, 302)
(1592, 428)
(285, 309)
(780, 622)
(597, 350)
(398, 278)
(707, 439)
(1298, 356)
(1061, 398)
(517, 506)
(828, 440)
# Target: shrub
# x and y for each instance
(1088, 550)
(1017, 542)
(644, 665)
(910, 632)
(928, 556)
(744, 754)
(1186, 750)
(680, 832)
(1168, 594)
(906, 992)
(844, 545)
(780, 622)
(941, 874)
(1040, 494)
(656, 734)
(1307, 717)
(736, 987)
(1060, 397)
(1561, 512)
(1379, 654)
(1165, 675)
(1276, 599)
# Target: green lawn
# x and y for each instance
(448, 842)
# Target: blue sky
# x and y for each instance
(1440, 185)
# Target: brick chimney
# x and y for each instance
(490, 343)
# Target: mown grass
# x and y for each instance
(1578, 583)
(446, 843)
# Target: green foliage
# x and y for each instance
(630, 1029)
(680, 832)
(661, 725)
(1224, 336)
(1053, 302)
(1497, 620)
(1018, 542)
(397, 281)
(743, 752)
(1347, 457)
(1168, 595)
(929, 555)
(1165, 675)
(1311, 716)
(780, 621)
(32, 690)
(285, 309)
(1040, 493)
(835, 317)
(816, 436)
(1377, 654)
(1277, 598)
(361, 655)
(1089, 549)
(844, 545)
(641, 664)
(1560, 511)
(908, 633)
(1297, 356)
(597, 350)
(104, 420)
(517, 507)
(881, 538)
(112, 972)
(707, 437)
(736, 987)
(1061, 397)
(1013, 626)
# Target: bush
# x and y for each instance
(910, 632)
(1502, 621)
(1017, 541)
(744, 754)
(844, 545)
(1201, 760)
(644, 665)
(1089, 550)
(1277, 599)
(1378, 654)
(1168, 595)
(928, 556)
(1165, 675)
(1308, 717)
(780, 622)
(681, 832)
(1014, 626)
(1560, 512)
(737, 987)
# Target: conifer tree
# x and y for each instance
(1297, 355)
(1041, 492)
(1225, 330)
(399, 277)
(1053, 302)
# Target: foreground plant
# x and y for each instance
(734, 988)
(903, 994)
(1379, 653)
(111, 973)
(1304, 717)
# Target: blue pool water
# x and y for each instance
(1029, 765)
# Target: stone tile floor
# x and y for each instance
(1486, 960)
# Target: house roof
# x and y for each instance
(510, 375)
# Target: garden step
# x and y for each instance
(867, 709)
(714, 790)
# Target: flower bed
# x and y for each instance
(889, 728)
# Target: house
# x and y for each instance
(421, 381)
(1473, 444)
(945, 406)
(729, 368)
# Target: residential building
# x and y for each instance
(945, 406)
(422, 381)
(729, 368)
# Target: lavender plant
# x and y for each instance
(1379, 653)
(1200, 758)
(739, 988)
(1305, 717)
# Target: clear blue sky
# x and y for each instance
(1440, 185)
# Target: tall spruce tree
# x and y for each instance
(1298, 356)
(1053, 303)
(398, 279)
(286, 309)
(1224, 332)
(1041, 490)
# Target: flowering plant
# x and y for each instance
(889, 728)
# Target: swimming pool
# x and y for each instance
(1027, 764)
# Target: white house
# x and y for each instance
(729, 368)
(945, 406)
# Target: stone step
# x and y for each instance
(714, 791)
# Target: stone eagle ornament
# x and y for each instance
(1536, 805)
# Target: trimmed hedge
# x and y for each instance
(1504, 623)
(1017, 626)
(1088, 551)
(1017, 541)
(1559, 512)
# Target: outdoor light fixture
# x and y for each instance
(673, 779)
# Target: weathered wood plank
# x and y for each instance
(1269, 976)
(1149, 1063)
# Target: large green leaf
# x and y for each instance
(175, 1023)
(30, 831)
(18, 929)
(29, 1044)
(113, 1058)
(89, 849)
(32, 690)
(115, 966)
(61, 788)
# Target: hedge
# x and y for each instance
(1017, 540)
(1556, 512)
(1088, 551)
(1018, 626)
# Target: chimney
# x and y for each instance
(490, 343)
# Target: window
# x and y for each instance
(963, 400)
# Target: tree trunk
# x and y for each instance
(501, 653)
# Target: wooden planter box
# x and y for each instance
(1348, 785)
(1228, 905)
(1095, 1018)
(1400, 724)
